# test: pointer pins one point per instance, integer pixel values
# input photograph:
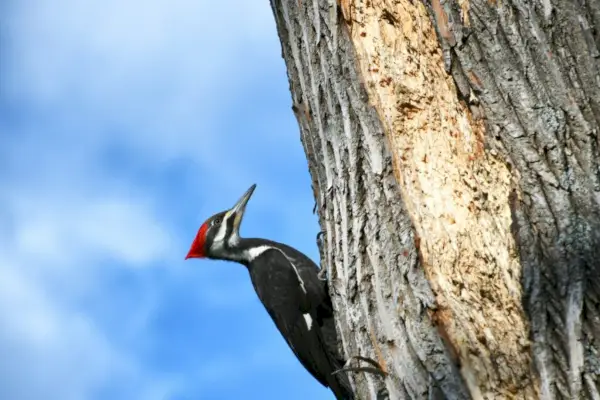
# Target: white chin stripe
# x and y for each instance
(308, 320)
(234, 239)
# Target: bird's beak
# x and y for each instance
(238, 210)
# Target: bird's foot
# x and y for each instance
(383, 394)
(374, 369)
(320, 238)
(322, 275)
(323, 272)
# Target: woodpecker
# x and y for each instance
(287, 283)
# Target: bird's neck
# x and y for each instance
(243, 250)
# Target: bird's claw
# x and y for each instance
(322, 275)
(371, 370)
(323, 272)
(374, 369)
(320, 236)
(383, 394)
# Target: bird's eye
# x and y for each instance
(217, 221)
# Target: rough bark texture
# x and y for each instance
(454, 154)
(535, 67)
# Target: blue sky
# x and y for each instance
(123, 126)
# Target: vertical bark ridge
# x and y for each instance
(380, 292)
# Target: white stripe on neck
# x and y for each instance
(254, 252)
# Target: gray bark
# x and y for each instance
(532, 70)
(535, 67)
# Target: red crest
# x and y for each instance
(197, 249)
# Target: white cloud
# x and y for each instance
(68, 41)
(101, 228)
(158, 71)
(47, 348)
(51, 259)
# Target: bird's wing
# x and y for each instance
(293, 304)
(318, 289)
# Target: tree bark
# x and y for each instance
(454, 153)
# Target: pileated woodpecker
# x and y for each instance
(288, 285)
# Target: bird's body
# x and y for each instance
(287, 283)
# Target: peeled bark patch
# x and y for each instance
(455, 192)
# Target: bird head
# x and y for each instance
(221, 232)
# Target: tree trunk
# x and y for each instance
(454, 152)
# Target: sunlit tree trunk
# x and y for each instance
(454, 153)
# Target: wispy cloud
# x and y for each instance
(48, 347)
(152, 75)
(67, 230)
(55, 257)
